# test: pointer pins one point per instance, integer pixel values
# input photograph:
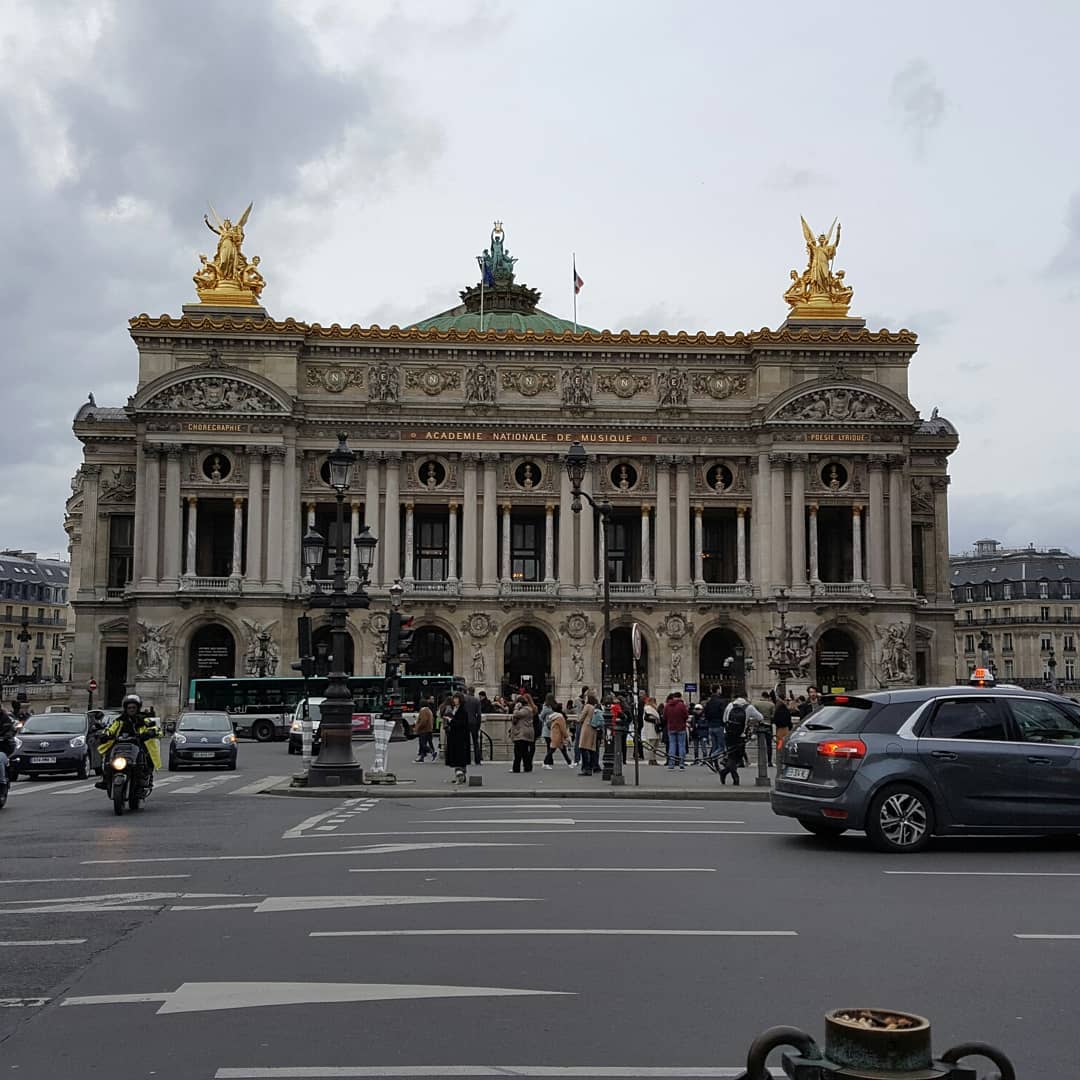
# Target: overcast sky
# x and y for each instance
(671, 144)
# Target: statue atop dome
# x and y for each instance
(497, 264)
(819, 292)
(229, 279)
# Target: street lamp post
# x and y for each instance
(1051, 663)
(779, 663)
(577, 461)
(336, 764)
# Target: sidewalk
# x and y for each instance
(432, 780)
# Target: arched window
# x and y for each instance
(527, 662)
(432, 652)
(212, 652)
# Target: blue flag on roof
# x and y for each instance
(487, 275)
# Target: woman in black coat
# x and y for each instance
(456, 736)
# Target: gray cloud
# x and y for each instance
(790, 178)
(1067, 261)
(918, 102)
(108, 170)
(1041, 517)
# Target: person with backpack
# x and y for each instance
(737, 716)
(590, 729)
(715, 708)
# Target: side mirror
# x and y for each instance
(170, 727)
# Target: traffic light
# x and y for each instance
(399, 636)
(306, 665)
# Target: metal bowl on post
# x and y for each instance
(880, 1039)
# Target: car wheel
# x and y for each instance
(172, 764)
(822, 828)
(231, 767)
(84, 768)
(901, 819)
(263, 731)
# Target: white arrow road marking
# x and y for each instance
(141, 901)
(58, 941)
(23, 1003)
(348, 806)
(216, 996)
(320, 903)
(544, 1072)
(380, 849)
(397, 849)
(133, 877)
(554, 931)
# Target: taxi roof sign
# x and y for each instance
(981, 676)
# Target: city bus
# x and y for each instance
(262, 708)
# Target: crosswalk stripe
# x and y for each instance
(258, 785)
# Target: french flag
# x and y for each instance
(578, 281)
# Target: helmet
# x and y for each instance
(131, 699)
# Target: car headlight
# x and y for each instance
(119, 763)
(79, 740)
(179, 739)
(229, 739)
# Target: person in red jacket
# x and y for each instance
(675, 721)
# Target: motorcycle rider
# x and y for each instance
(7, 742)
(134, 723)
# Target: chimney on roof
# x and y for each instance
(986, 547)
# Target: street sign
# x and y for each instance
(635, 639)
(92, 685)
(690, 688)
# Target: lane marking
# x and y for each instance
(77, 790)
(130, 877)
(58, 941)
(209, 907)
(198, 789)
(145, 901)
(316, 819)
(535, 870)
(377, 850)
(29, 787)
(576, 832)
(1048, 937)
(323, 903)
(553, 931)
(570, 821)
(24, 1003)
(556, 1072)
(984, 873)
(258, 785)
(216, 996)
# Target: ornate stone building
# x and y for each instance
(737, 465)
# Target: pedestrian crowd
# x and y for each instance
(715, 732)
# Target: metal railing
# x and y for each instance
(208, 584)
(726, 588)
(841, 588)
(432, 588)
(631, 588)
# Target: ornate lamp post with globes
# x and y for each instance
(336, 764)
(577, 461)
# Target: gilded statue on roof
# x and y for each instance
(229, 279)
(819, 292)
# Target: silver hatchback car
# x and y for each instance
(907, 765)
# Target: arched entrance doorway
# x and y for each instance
(622, 662)
(719, 664)
(321, 642)
(836, 657)
(527, 662)
(432, 652)
(212, 652)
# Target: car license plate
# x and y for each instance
(204, 753)
(43, 761)
(794, 772)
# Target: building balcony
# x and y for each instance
(528, 588)
(198, 584)
(432, 588)
(725, 588)
(854, 590)
(629, 588)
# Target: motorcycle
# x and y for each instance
(129, 774)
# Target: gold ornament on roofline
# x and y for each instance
(819, 292)
(229, 279)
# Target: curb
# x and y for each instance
(381, 791)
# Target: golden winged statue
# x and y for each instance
(228, 279)
(819, 292)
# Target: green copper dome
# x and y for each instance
(507, 306)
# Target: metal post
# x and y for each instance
(618, 729)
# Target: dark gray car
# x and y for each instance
(906, 765)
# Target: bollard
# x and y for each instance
(871, 1044)
(763, 736)
(383, 729)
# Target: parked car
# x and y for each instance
(203, 738)
(361, 725)
(51, 743)
(906, 765)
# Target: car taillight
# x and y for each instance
(842, 748)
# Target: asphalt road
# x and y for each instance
(229, 935)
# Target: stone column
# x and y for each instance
(646, 569)
(815, 578)
(798, 522)
(896, 579)
(779, 531)
(237, 564)
(682, 523)
(409, 569)
(699, 541)
(391, 541)
(291, 570)
(371, 511)
(173, 518)
(549, 542)
(470, 514)
(255, 515)
(567, 522)
(91, 481)
(192, 534)
(587, 539)
(451, 543)
(856, 544)
(490, 561)
(875, 526)
(601, 546)
(905, 528)
(740, 545)
(276, 571)
(505, 575)
(354, 532)
(148, 559)
(761, 535)
(662, 547)
(940, 486)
